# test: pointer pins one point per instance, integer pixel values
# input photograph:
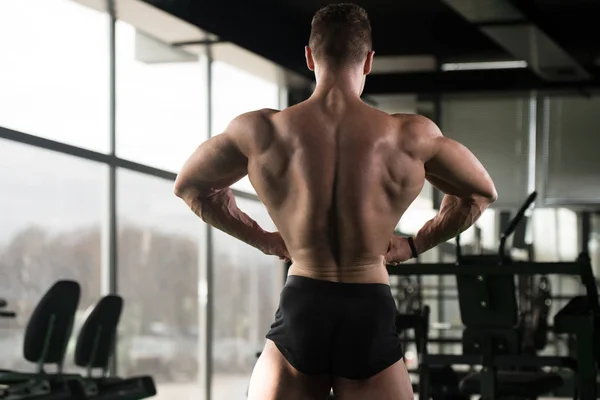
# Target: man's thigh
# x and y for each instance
(274, 378)
(392, 383)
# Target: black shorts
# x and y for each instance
(339, 329)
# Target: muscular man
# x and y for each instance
(336, 176)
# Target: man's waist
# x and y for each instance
(317, 287)
(373, 272)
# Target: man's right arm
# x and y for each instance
(467, 187)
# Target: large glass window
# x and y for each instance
(245, 292)
(246, 282)
(569, 153)
(161, 100)
(158, 258)
(52, 210)
(55, 72)
(555, 238)
(496, 129)
(236, 92)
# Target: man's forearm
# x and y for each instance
(221, 211)
(456, 215)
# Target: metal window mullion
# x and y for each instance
(545, 164)
(206, 273)
(79, 152)
(113, 158)
(112, 192)
(532, 143)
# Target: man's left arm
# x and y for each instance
(205, 179)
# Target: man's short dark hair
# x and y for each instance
(340, 34)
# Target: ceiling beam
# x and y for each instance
(278, 33)
(504, 23)
(267, 30)
(469, 81)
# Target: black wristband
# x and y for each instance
(413, 249)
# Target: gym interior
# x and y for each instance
(101, 101)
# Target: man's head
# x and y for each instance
(340, 37)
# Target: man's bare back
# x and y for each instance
(336, 176)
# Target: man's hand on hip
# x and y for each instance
(275, 246)
(398, 250)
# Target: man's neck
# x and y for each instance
(348, 82)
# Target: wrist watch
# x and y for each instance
(413, 249)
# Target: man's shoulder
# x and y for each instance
(419, 134)
(252, 121)
(266, 112)
(257, 116)
(414, 120)
(419, 125)
(253, 129)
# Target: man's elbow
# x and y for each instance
(181, 189)
(484, 197)
(490, 195)
(493, 196)
(190, 192)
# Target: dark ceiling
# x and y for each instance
(279, 29)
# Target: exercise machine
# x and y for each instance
(493, 338)
(46, 338)
(94, 350)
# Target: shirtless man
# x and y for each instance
(336, 175)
